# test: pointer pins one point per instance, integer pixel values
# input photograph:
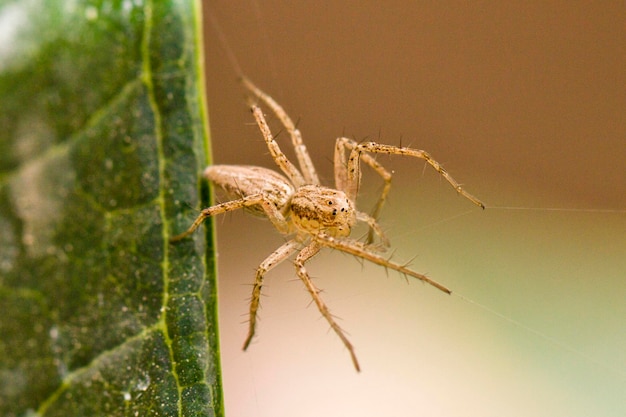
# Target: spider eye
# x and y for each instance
(330, 203)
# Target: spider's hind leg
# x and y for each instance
(260, 199)
(218, 209)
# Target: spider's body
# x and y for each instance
(313, 216)
(308, 210)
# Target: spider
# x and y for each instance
(311, 215)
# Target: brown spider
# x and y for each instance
(312, 215)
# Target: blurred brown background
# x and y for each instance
(522, 102)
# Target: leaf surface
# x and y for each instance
(102, 144)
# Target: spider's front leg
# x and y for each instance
(359, 152)
(351, 188)
(278, 256)
(304, 255)
(344, 183)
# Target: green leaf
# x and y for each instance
(102, 142)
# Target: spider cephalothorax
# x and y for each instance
(316, 209)
(312, 215)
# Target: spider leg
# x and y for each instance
(304, 159)
(279, 157)
(356, 248)
(342, 179)
(277, 219)
(278, 256)
(354, 167)
(374, 228)
(305, 254)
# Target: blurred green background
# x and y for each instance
(522, 102)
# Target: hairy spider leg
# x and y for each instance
(356, 248)
(303, 256)
(374, 229)
(342, 145)
(304, 159)
(356, 154)
(275, 216)
(274, 259)
(279, 157)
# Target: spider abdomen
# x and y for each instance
(238, 181)
(317, 209)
